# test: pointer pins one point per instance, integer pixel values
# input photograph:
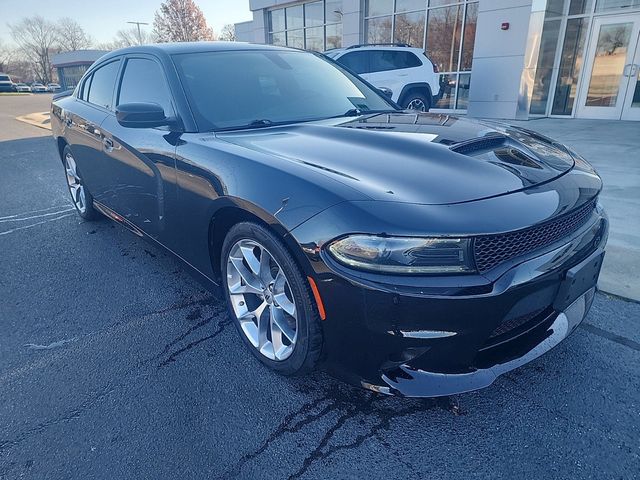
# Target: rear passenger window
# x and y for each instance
(102, 83)
(357, 62)
(143, 81)
(383, 60)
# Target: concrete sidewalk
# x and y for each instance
(613, 148)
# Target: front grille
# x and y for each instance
(492, 250)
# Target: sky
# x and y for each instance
(103, 19)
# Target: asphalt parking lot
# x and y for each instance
(114, 363)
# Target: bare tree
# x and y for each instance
(181, 21)
(7, 54)
(228, 33)
(71, 36)
(36, 37)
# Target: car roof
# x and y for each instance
(189, 47)
(358, 48)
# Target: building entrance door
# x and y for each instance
(611, 89)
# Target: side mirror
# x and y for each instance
(141, 115)
(387, 92)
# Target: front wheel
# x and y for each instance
(418, 102)
(269, 300)
(80, 196)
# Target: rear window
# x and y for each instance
(102, 85)
(357, 62)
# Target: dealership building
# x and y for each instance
(511, 59)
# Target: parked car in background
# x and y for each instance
(410, 75)
(23, 87)
(38, 87)
(410, 253)
(6, 85)
(53, 87)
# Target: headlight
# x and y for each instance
(403, 254)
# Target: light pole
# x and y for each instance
(139, 32)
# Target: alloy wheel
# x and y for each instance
(417, 104)
(75, 183)
(262, 300)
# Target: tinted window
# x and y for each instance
(4, 78)
(382, 60)
(143, 81)
(355, 61)
(102, 83)
(233, 89)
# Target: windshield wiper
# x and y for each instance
(261, 122)
(356, 112)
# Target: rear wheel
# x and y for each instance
(80, 196)
(416, 101)
(269, 300)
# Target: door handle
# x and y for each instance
(108, 144)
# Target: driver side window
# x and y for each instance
(143, 81)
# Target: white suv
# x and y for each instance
(412, 78)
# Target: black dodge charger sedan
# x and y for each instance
(410, 253)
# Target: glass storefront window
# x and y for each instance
(276, 21)
(447, 91)
(333, 36)
(313, 14)
(469, 40)
(444, 30)
(555, 8)
(579, 7)
(295, 38)
(608, 5)
(544, 70)
(464, 83)
(409, 28)
(313, 25)
(410, 5)
(570, 66)
(314, 38)
(295, 17)
(376, 8)
(378, 30)
(333, 11)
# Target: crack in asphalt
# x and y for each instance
(619, 339)
(94, 399)
(353, 405)
(71, 414)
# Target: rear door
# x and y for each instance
(394, 69)
(142, 174)
(93, 104)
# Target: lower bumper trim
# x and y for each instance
(412, 382)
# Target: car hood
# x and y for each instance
(416, 158)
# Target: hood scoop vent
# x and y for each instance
(481, 144)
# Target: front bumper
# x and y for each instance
(420, 340)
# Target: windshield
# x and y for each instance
(237, 89)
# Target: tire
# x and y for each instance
(80, 196)
(417, 98)
(299, 352)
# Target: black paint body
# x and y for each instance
(390, 174)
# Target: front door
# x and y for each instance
(611, 89)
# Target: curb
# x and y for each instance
(41, 120)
